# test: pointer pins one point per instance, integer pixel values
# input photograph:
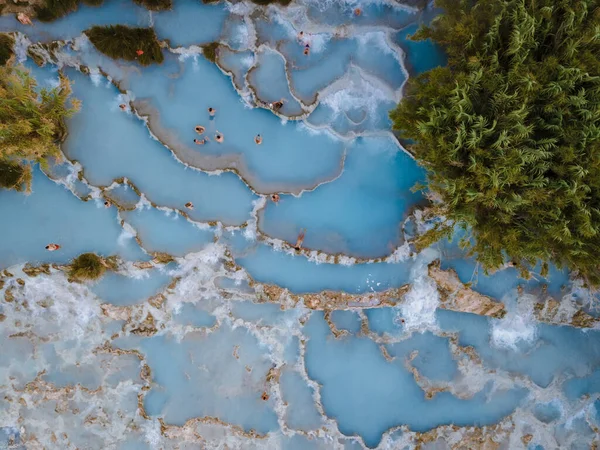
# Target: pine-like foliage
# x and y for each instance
(155, 5)
(31, 123)
(6, 48)
(55, 9)
(119, 41)
(509, 131)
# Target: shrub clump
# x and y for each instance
(31, 123)
(155, 5)
(6, 48)
(119, 41)
(11, 175)
(210, 51)
(510, 131)
(55, 9)
(87, 266)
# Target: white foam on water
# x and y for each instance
(356, 90)
(376, 39)
(318, 42)
(346, 260)
(126, 234)
(251, 230)
(143, 203)
(245, 35)
(81, 43)
(248, 61)
(57, 309)
(518, 326)
(96, 76)
(401, 254)
(20, 47)
(243, 8)
(317, 258)
(419, 304)
(130, 270)
(152, 434)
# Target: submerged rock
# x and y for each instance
(455, 296)
(329, 300)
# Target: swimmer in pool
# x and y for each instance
(123, 106)
(212, 112)
(300, 240)
(275, 198)
(107, 204)
(199, 141)
(52, 247)
(258, 139)
(219, 137)
(189, 205)
(199, 129)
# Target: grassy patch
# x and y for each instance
(11, 174)
(6, 48)
(155, 5)
(87, 266)
(119, 41)
(55, 9)
(210, 51)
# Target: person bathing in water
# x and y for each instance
(200, 141)
(107, 204)
(219, 137)
(275, 198)
(307, 49)
(276, 106)
(52, 247)
(189, 205)
(300, 239)
(123, 106)
(258, 139)
(199, 129)
(212, 112)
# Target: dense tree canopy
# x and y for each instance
(120, 41)
(509, 131)
(31, 123)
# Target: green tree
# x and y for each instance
(509, 131)
(32, 124)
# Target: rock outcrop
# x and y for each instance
(455, 296)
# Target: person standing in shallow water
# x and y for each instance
(300, 239)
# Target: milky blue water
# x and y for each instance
(175, 346)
